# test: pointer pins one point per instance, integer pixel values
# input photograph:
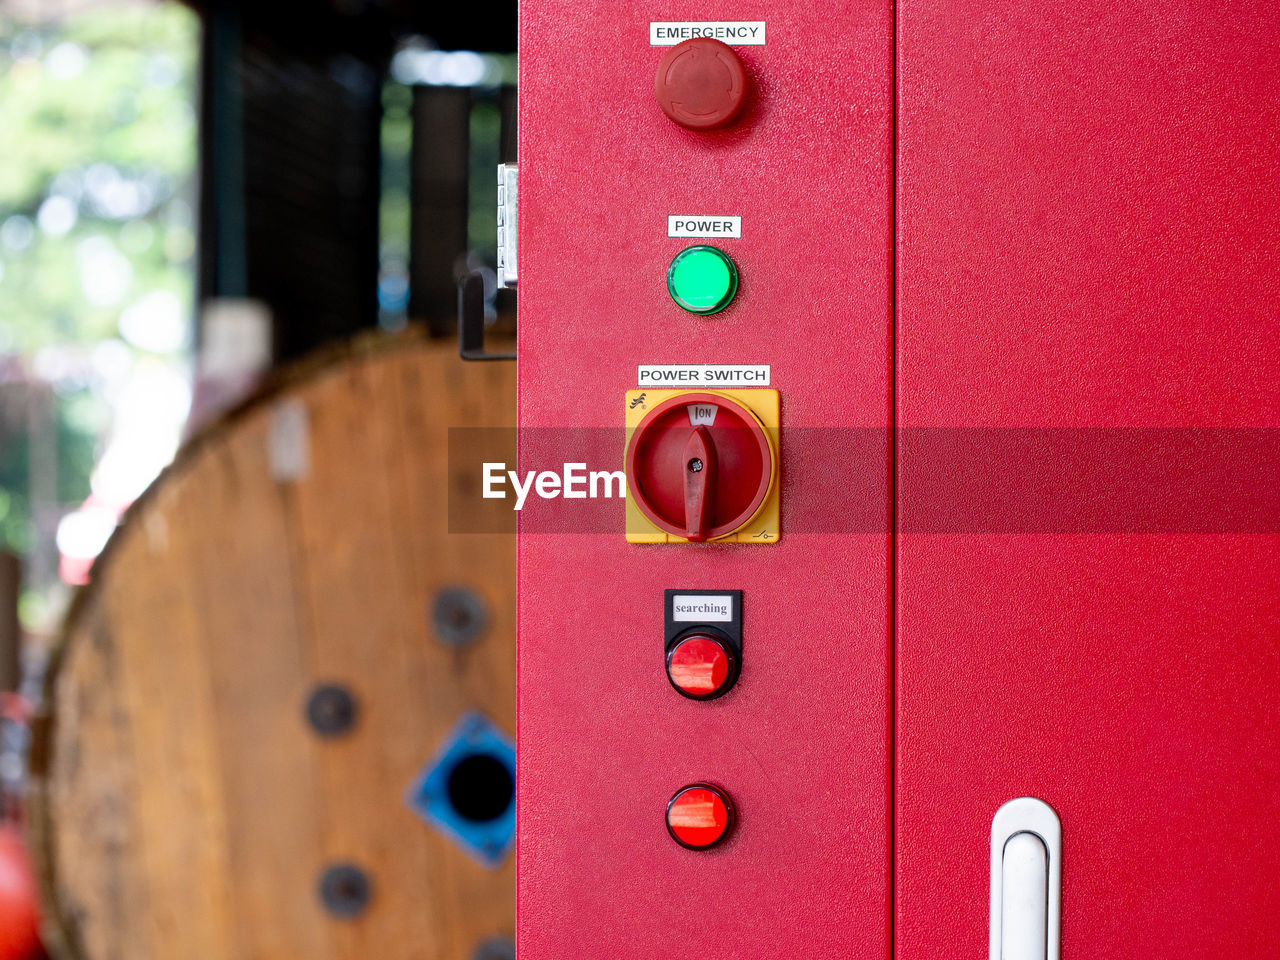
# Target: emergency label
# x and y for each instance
(736, 33)
(704, 375)
(702, 608)
(685, 226)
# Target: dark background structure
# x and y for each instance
(290, 162)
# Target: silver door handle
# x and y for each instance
(1026, 881)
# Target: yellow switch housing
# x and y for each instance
(764, 526)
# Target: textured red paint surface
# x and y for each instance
(1087, 237)
(801, 742)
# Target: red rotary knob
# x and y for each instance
(700, 816)
(701, 84)
(701, 667)
(699, 466)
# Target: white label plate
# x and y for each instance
(736, 33)
(702, 414)
(702, 608)
(679, 225)
(726, 375)
(289, 441)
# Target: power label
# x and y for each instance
(689, 226)
(736, 33)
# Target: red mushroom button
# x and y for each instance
(701, 84)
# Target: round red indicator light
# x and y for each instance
(700, 816)
(701, 666)
(699, 466)
(701, 84)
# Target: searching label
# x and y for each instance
(702, 608)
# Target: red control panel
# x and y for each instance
(704, 301)
(935, 343)
(1088, 359)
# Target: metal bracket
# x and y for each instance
(471, 320)
(471, 289)
(507, 217)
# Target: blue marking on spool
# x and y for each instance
(468, 790)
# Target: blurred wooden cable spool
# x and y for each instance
(281, 655)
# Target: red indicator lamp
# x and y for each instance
(701, 666)
(700, 816)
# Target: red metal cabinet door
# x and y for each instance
(1088, 243)
(802, 742)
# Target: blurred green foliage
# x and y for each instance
(97, 152)
(96, 115)
(397, 145)
(75, 448)
(482, 193)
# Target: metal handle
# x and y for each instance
(471, 320)
(1026, 881)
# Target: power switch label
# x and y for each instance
(715, 376)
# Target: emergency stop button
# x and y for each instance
(701, 666)
(700, 816)
(701, 84)
(700, 466)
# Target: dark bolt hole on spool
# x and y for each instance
(497, 948)
(331, 710)
(695, 465)
(459, 616)
(481, 788)
(345, 890)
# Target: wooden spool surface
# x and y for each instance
(183, 807)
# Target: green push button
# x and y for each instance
(702, 279)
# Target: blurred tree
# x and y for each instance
(75, 442)
(98, 126)
(97, 153)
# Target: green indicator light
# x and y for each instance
(702, 279)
